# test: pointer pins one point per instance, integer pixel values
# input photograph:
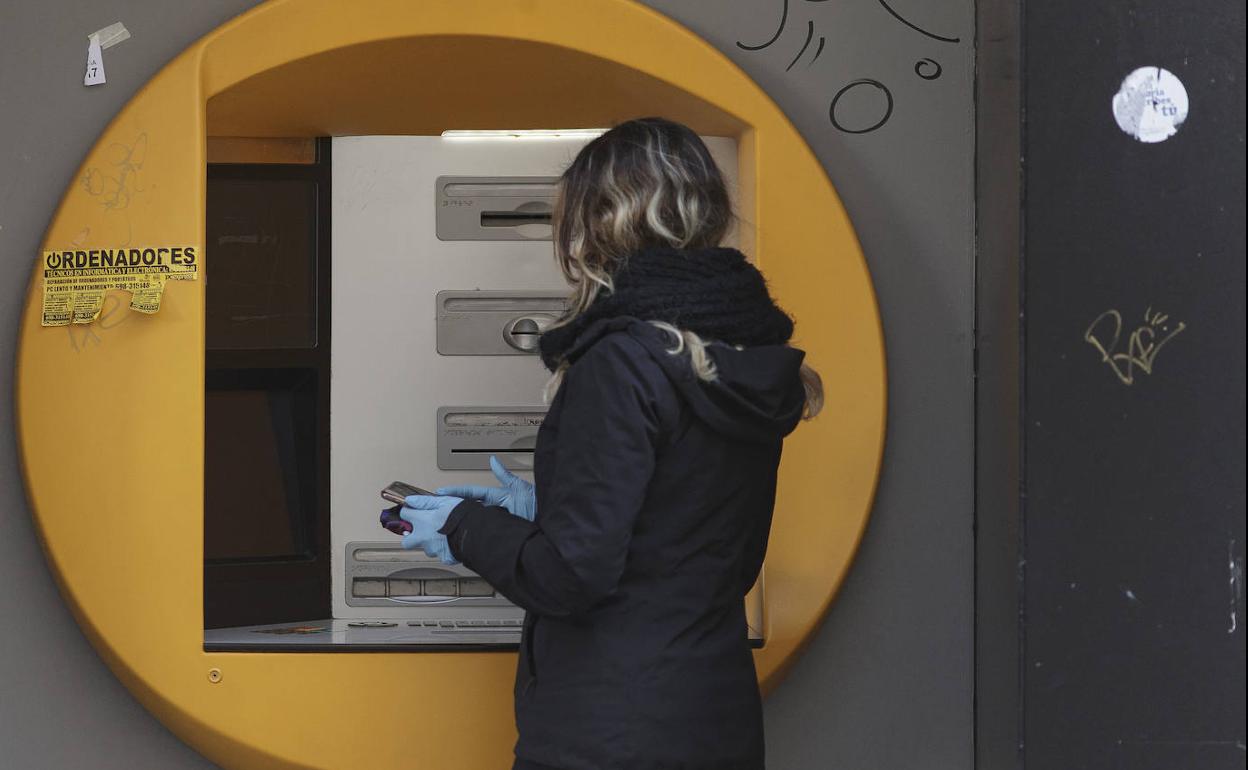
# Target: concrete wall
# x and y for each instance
(888, 680)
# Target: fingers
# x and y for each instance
(501, 473)
(486, 495)
(428, 502)
(469, 492)
(509, 479)
(419, 507)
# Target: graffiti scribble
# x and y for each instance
(116, 186)
(810, 33)
(928, 69)
(83, 336)
(888, 109)
(916, 27)
(1142, 345)
(784, 18)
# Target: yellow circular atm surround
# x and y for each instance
(111, 414)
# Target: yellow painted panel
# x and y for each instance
(110, 414)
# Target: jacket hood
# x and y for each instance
(757, 394)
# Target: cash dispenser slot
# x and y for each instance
(478, 208)
(495, 323)
(514, 218)
(468, 435)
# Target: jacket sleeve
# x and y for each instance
(613, 401)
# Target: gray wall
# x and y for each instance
(888, 680)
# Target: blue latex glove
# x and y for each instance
(427, 514)
(515, 494)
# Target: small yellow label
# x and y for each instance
(75, 281)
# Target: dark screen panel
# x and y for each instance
(260, 470)
(266, 459)
(261, 240)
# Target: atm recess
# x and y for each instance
(486, 344)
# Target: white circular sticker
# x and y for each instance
(1151, 104)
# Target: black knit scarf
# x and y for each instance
(715, 293)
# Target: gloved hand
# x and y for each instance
(427, 514)
(515, 494)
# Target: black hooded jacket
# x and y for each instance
(654, 500)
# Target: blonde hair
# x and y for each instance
(646, 183)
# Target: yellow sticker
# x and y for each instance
(75, 281)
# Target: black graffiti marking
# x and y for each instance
(810, 33)
(784, 19)
(888, 112)
(915, 27)
(931, 74)
(819, 50)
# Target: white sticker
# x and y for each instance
(1151, 104)
(95, 63)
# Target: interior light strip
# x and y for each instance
(524, 133)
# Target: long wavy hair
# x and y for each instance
(646, 183)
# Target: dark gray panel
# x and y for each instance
(1134, 442)
(998, 459)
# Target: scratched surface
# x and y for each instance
(1134, 404)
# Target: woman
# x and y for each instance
(673, 387)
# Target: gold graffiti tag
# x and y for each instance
(116, 187)
(1142, 345)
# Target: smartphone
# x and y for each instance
(397, 492)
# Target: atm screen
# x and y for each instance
(260, 465)
(261, 240)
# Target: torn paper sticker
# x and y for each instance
(1150, 104)
(75, 281)
(98, 42)
(95, 62)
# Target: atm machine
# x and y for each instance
(443, 279)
